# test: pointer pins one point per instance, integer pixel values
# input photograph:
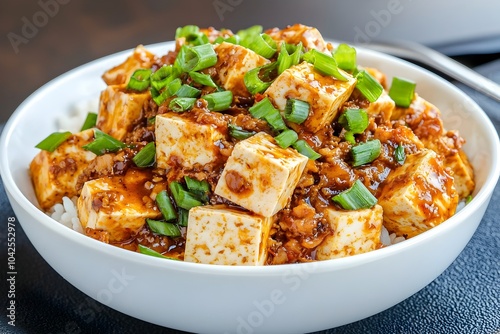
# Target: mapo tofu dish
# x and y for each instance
(259, 147)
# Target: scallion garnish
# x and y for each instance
(399, 154)
(183, 217)
(198, 188)
(146, 156)
(148, 251)
(53, 141)
(274, 119)
(163, 228)
(238, 133)
(90, 121)
(187, 91)
(286, 138)
(262, 108)
(190, 32)
(259, 79)
(248, 35)
(182, 197)
(103, 143)
(303, 148)
(402, 91)
(368, 86)
(264, 45)
(324, 64)
(355, 198)
(198, 57)
(296, 111)
(354, 121)
(181, 104)
(140, 80)
(345, 57)
(163, 76)
(219, 101)
(202, 79)
(365, 153)
(285, 59)
(165, 205)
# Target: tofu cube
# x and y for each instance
(54, 174)
(118, 205)
(463, 174)
(325, 94)
(233, 62)
(222, 235)
(120, 74)
(261, 176)
(417, 195)
(382, 108)
(354, 232)
(119, 110)
(182, 141)
(310, 37)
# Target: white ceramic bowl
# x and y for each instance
(220, 299)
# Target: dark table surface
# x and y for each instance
(464, 299)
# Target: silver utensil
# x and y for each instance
(440, 62)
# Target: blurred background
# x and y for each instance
(45, 38)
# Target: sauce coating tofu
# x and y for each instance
(182, 141)
(218, 234)
(54, 174)
(325, 94)
(354, 232)
(298, 33)
(260, 175)
(119, 109)
(120, 74)
(382, 108)
(118, 205)
(233, 62)
(418, 195)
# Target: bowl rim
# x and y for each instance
(15, 194)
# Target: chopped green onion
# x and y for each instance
(296, 111)
(103, 143)
(345, 56)
(287, 60)
(183, 198)
(183, 217)
(248, 35)
(53, 141)
(303, 148)
(219, 101)
(152, 120)
(165, 205)
(355, 198)
(324, 64)
(197, 186)
(368, 86)
(181, 104)
(259, 79)
(402, 91)
(159, 97)
(286, 138)
(148, 251)
(261, 108)
(90, 121)
(264, 45)
(354, 120)
(468, 199)
(275, 120)
(187, 91)
(238, 133)
(349, 136)
(140, 80)
(163, 76)
(399, 154)
(190, 32)
(146, 156)
(365, 153)
(235, 39)
(163, 228)
(198, 57)
(173, 87)
(202, 79)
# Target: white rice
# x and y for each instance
(66, 214)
